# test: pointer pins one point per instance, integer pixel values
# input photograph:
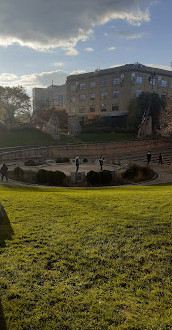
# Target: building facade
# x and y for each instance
(48, 97)
(108, 92)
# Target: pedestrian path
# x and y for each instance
(163, 171)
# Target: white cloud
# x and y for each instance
(43, 79)
(111, 48)
(129, 35)
(89, 49)
(58, 64)
(44, 25)
(163, 67)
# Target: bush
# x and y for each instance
(93, 178)
(50, 177)
(30, 162)
(62, 160)
(85, 160)
(106, 176)
(18, 173)
(138, 173)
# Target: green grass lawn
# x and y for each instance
(87, 258)
(26, 137)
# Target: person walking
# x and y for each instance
(77, 163)
(148, 156)
(101, 159)
(4, 172)
(160, 158)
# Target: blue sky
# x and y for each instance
(42, 40)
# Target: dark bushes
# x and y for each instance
(50, 177)
(106, 176)
(138, 173)
(99, 178)
(18, 173)
(93, 178)
(30, 162)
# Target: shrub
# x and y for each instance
(50, 177)
(30, 162)
(138, 173)
(18, 173)
(106, 176)
(93, 178)
(62, 160)
(85, 160)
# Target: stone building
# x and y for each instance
(48, 97)
(108, 92)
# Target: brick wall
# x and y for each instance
(91, 150)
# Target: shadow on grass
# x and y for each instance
(2, 320)
(6, 232)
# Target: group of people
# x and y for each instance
(77, 162)
(160, 158)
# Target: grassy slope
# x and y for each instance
(87, 259)
(22, 138)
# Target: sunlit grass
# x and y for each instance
(87, 259)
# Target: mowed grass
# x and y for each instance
(38, 138)
(87, 258)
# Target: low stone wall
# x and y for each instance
(89, 150)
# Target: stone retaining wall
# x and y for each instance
(89, 150)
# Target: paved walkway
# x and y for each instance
(163, 171)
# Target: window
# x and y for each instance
(92, 96)
(82, 86)
(139, 80)
(92, 84)
(72, 110)
(72, 99)
(81, 109)
(82, 98)
(103, 107)
(138, 92)
(152, 81)
(115, 107)
(133, 78)
(122, 80)
(115, 94)
(92, 108)
(163, 96)
(73, 87)
(116, 81)
(103, 95)
(103, 82)
(163, 83)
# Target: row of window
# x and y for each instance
(104, 95)
(119, 81)
(92, 108)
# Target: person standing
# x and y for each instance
(101, 159)
(4, 172)
(160, 158)
(148, 156)
(77, 163)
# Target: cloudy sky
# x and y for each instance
(42, 40)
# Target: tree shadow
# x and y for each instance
(2, 319)
(6, 232)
